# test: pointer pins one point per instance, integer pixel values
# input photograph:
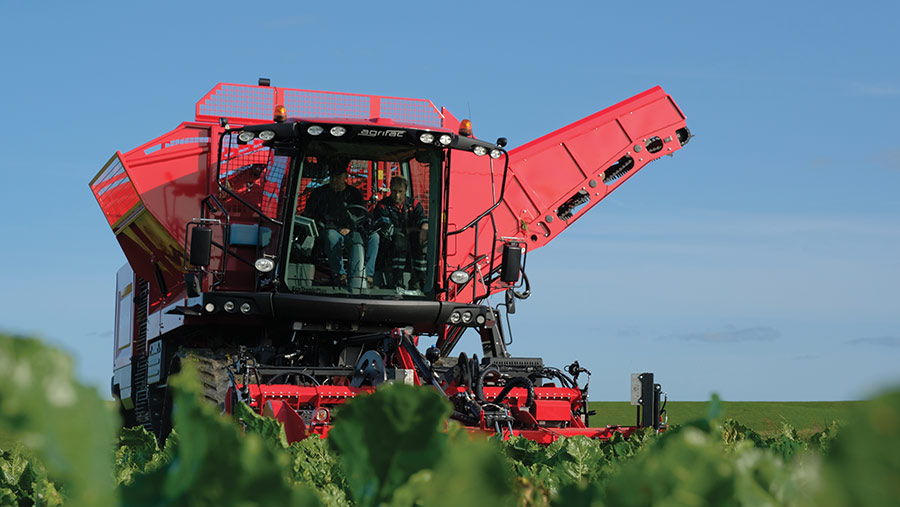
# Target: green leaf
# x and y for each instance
(212, 463)
(821, 441)
(589, 495)
(472, 472)
(386, 437)
(576, 459)
(694, 468)
(23, 481)
(138, 453)
(524, 451)
(62, 422)
(266, 427)
(316, 466)
(8, 496)
(863, 464)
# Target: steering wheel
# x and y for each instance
(358, 214)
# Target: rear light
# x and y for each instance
(280, 113)
(321, 415)
(465, 128)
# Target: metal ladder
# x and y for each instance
(139, 358)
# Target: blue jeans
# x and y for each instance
(335, 244)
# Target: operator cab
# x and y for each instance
(351, 233)
(346, 208)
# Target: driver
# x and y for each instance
(340, 210)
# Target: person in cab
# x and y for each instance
(403, 247)
(339, 209)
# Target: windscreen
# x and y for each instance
(365, 220)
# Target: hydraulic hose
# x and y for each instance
(517, 382)
(464, 377)
(464, 418)
(478, 388)
(564, 379)
(479, 381)
(527, 293)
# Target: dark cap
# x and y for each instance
(337, 164)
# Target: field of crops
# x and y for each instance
(59, 446)
(765, 417)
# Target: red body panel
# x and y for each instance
(548, 171)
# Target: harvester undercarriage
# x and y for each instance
(301, 382)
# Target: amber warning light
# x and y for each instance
(465, 128)
(280, 113)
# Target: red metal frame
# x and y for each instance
(247, 104)
(283, 402)
(114, 191)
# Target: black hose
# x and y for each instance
(465, 375)
(517, 382)
(464, 418)
(566, 380)
(527, 293)
(474, 374)
(479, 383)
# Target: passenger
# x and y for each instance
(406, 241)
(340, 210)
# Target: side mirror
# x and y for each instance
(201, 246)
(511, 263)
(192, 284)
(510, 301)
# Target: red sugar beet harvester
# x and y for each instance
(297, 245)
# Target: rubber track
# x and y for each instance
(211, 370)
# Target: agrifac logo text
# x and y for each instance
(382, 133)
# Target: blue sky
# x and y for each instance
(761, 262)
